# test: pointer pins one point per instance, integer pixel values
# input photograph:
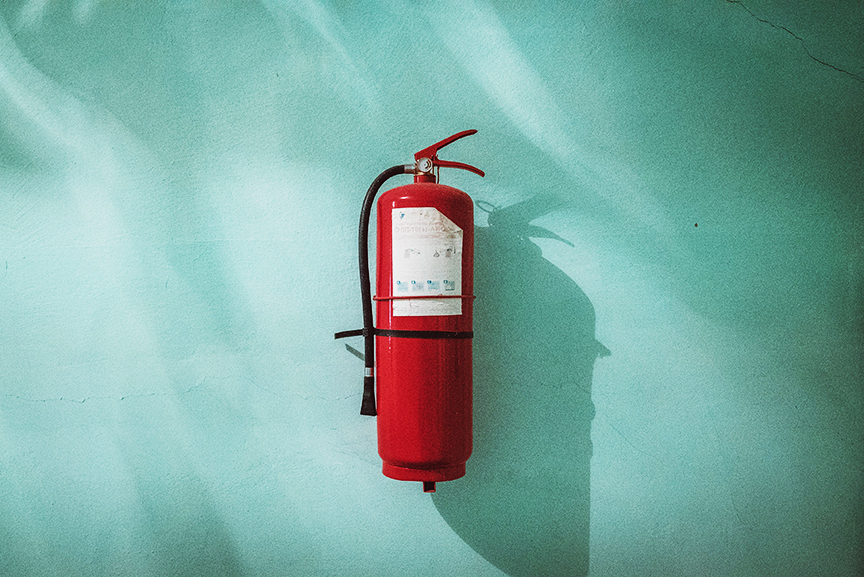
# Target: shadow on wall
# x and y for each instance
(185, 532)
(524, 503)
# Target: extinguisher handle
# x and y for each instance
(462, 165)
(431, 153)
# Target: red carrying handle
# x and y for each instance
(431, 152)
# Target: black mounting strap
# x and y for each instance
(407, 334)
(354, 333)
(424, 334)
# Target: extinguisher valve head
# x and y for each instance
(424, 165)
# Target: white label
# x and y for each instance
(427, 261)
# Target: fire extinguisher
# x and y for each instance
(418, 354)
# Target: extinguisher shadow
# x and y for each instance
(524, 504)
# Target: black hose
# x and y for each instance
(367, 407)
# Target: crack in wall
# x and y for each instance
(105, 397)
(629, 442)
(83, 400)
(798, 38)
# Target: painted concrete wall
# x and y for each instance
(180, 182)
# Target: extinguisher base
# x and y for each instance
(437, 474)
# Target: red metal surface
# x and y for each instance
(424, 385)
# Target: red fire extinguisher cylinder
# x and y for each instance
(418, 353)
(424, 363)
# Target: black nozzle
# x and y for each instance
(428, 486)
(367, 407)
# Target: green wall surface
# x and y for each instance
(669, 277)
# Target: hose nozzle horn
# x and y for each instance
(427, 159)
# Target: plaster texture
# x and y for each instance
(678, 184)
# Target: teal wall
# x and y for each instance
(180, 182)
